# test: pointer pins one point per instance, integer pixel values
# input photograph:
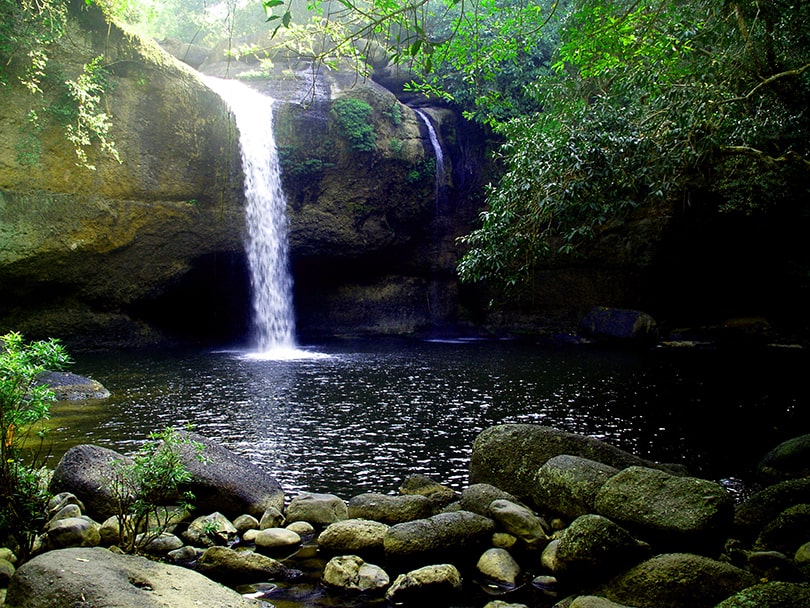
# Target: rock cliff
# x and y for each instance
(151, 249)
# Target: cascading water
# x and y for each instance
(266, 216)
(437, 152)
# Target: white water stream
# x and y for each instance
(266, 217)
(437, 152)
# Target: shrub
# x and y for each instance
(24, 402)
(352, 118)
(148, 486)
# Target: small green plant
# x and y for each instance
(147, 486)
(353, 121)
(394, 113)
(24, 403)
(396, 145)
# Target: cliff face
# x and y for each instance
(94, 256)
(151, 248)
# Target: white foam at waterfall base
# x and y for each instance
(266, 218)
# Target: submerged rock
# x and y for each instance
(72, 387)
(789, 460)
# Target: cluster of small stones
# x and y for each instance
(632, 537)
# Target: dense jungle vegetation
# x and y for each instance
(602, 106)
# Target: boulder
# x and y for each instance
(764, 506)
(519, 521)
(619, 324)
(680, 512)
(593, 601)
(351, 573)
(86, 471)
(160, 545)
(499, 567)
(438, 494)
(317, 509)
(210, 530)
(787, 532)
(789, 460)
(73, 532)
(478, 496)
(301, 528)
(437, 535)
(593, 547)
(97, 577)
(245, 522)
(276, 539)
(774, 594)
(272, 518)
(226, 482)
(676, 580)
(390, 509)
(428, 583)
(353, 536)
(568, 485)
(508, 456)
(72, 387)
(6, 572)
(239, 567)
(61, 500)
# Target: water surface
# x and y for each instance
(371, 412)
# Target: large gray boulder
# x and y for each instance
(97, 577)
(683, 513)
(226, 482)
(86, 471)
(677, 580)
(72, 387)
(508, 456)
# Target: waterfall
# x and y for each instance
(266, 218)
(437, 151)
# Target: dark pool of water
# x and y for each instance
(375, 411)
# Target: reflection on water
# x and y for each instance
(373, 412)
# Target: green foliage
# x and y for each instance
(24, 402)
(422, 171)
(650, 101)
(352, 117)
(28, 31)
(146, 486)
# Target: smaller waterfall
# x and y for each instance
(437, 152)
(266, 218)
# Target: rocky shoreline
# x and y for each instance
(549, 519)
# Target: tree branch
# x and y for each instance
(790, 155)
(767, 81)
